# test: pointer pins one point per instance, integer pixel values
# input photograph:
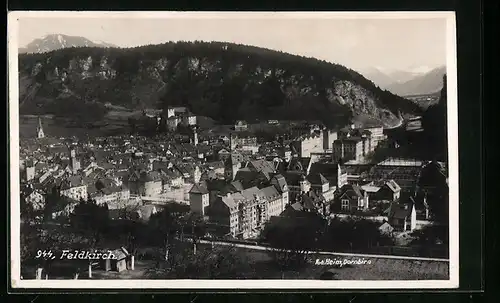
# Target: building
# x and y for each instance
(108, 192)
(351, 199)
(405, 172)
(348, 149)
(170, 112)
(243, 142)
(389, 191)
(195, 135)
(74, 188)
(377, 135)
(242, 213)
(33, 197)
(305, 145)
(145, 183)
(333, 172)
(173, 123)
(199, 198)
(245, 212)
(74, 163)
(240, 125)
(189, 120)
(329, 136)
(121, 261)
(30, 170)
(223, 154)
(39, 130)
(280, 183)
(321, 187)
(402, 216)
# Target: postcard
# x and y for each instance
(233, 150)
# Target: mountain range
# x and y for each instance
(58, 41)
(408, 83)
(223, 81)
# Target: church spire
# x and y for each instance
(39, 131)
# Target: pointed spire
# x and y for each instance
(39, 130)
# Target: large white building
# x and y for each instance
(74, 188)
(243, 213)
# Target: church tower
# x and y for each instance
(39, 130)
(195, 135)
(75, 164)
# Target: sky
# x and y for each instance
(394, 43)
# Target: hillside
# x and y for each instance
(218, 80)
(59, 41)
(428, 83)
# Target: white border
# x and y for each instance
(453, 282)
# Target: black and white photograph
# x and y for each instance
(233, 150)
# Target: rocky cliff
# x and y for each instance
(218, 80)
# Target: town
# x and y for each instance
(241, 182)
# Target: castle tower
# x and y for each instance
(199, 198)
(39, 130)
(170, 112)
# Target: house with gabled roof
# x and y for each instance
(333, 172)
(389, 191)
(402, 216)
(312, 202)
(33, 196)
(73, 187)
(261, 165)
(350, 199)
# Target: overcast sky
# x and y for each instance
(359, 43)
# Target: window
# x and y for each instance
(345, 204)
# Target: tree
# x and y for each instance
(220, 263)
(26, 209)
(91, 220)
(195, 225)
(431, 235)
(167, 223)
(292, 238)
(37, 242)
(434, 123)
(354, 234)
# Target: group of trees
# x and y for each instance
(91, 219)
(434, 123)
(224, 80)
(295, 239)
(292, 239)
(209, 263)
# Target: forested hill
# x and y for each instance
(220, 80)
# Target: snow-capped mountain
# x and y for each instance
(412, 80)
(382, 78)
(58, 41)
(428, 83)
